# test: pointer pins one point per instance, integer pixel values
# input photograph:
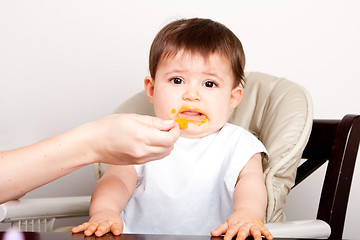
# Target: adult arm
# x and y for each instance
(119, 139)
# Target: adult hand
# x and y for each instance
(117, 139)
(133, 139)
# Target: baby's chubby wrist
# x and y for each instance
(257, 220)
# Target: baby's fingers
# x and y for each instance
(80, 228)
(231, 232)
(259, 230)
(102, 229)
(242, 233)
(266, 233)
(219, 230)
(255, 232)
(91, 229)
(116, 229)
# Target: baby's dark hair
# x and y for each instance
(198, 36)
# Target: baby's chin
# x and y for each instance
(194, 131)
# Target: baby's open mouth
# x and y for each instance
(191, 114)
(188, 115)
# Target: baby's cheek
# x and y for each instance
(172, 114)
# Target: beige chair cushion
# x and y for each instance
(279, 113)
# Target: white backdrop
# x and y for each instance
(63, 63)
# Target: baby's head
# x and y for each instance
(197, 75)
(198, 36)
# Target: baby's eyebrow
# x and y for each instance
(214, 75)
(174, 71)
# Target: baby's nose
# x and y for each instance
(192, 95)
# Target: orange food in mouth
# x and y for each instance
(188, 115)
(183, 122)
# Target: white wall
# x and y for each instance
(63, 63)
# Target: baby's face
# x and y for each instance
(196, 92)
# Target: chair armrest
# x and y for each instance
(44, 208)
(300, 229)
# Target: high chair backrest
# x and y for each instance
(279, 113)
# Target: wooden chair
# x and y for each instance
(335, 141)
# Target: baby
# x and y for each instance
(212, 182)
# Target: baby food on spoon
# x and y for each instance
(188, 114)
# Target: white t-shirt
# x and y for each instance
(191, 190)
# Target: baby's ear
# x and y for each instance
(149, 85)
(236, 96)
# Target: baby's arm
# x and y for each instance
(108, 200)
(249, 205)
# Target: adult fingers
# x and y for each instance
(154, 122)
(160, 138)
(163, 125)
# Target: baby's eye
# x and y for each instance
(210, 84)
(177, 80)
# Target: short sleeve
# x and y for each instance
(244, 146)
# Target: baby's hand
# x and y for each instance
(100, 224)
(253, 227)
